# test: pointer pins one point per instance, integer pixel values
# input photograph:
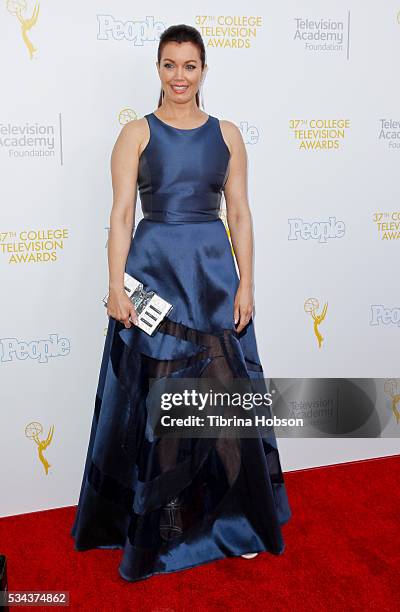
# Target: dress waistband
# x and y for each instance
(181, 217)
(181, 208)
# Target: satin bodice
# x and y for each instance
(182, 172)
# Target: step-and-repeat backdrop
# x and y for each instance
(313, 88)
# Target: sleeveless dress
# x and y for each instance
(172, 504)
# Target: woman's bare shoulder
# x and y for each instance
(136, 128)
(229, 125)
(136, 124)
(133, 135)
(231, 133)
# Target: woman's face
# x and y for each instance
(180, 71)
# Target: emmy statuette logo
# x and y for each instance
(33, 431)
(18, 8)
(311, 305)
(126, 115)
(392, 389)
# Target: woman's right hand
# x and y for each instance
(120, 307)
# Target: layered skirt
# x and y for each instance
(171, 503)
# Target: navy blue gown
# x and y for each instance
(172, 504)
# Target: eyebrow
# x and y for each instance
(171, 60)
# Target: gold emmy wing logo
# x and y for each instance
(34, 431)
(18, 8)
(311, 306)
(222, 216)
(392, 389)
(126, 115)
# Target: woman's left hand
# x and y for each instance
(243, 306)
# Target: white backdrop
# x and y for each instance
(315, 95)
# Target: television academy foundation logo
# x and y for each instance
(31, 139)
(389, 132)
(323, 35)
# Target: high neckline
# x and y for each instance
(182, 129)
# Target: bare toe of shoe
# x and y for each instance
(249, 555)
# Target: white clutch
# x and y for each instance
(149, 306)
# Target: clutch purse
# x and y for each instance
(150, 307)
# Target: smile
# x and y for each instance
(179, 88)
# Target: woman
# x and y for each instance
(174, 503)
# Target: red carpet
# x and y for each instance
(342, 553)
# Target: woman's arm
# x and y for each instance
(240, 222)
(124, 171)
